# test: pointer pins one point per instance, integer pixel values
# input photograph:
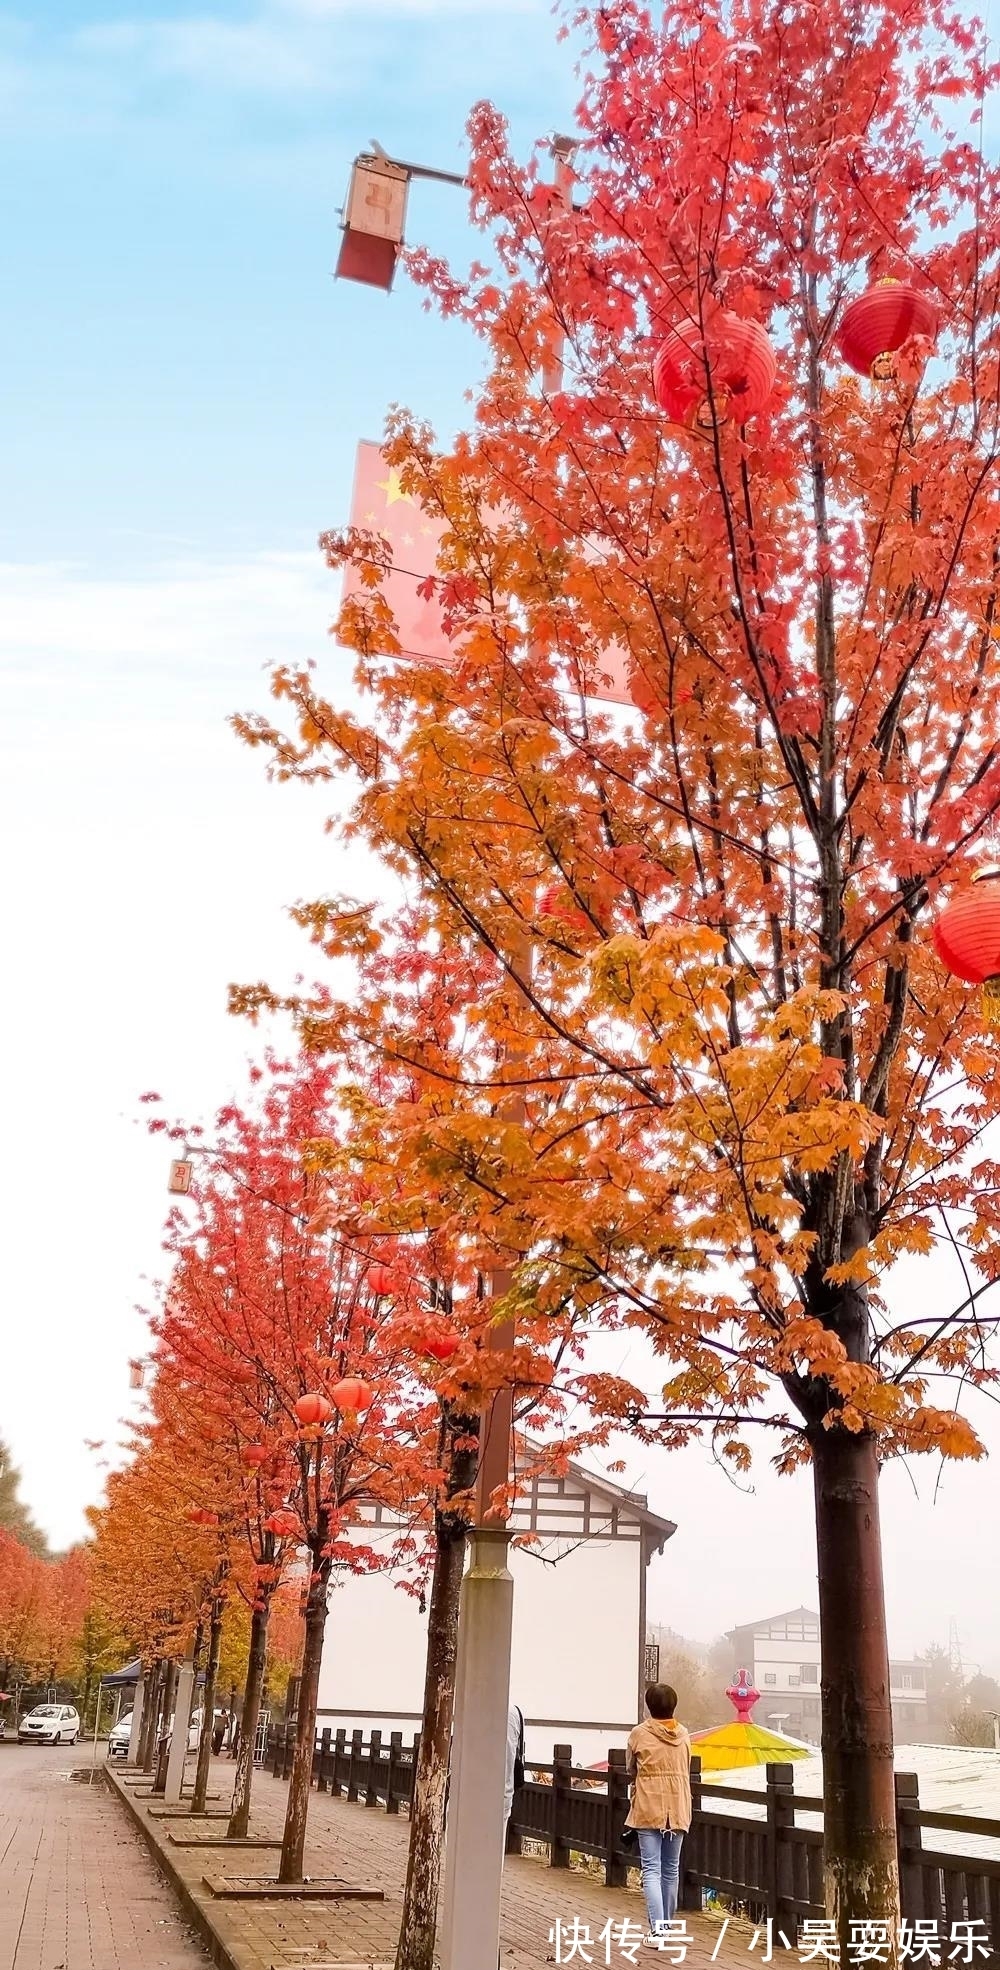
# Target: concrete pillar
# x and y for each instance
(474, 1846)
(179, 1737)
(136, 1730)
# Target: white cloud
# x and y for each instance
(146, 864)
(234, 609)
(256, 54)
(210, 75)
(285, 46)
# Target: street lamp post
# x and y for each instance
(373, 222)
(374, 215)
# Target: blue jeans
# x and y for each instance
(660, 1857)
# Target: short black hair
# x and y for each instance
(661, 1701)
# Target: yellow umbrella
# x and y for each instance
(736, 1744)
(731, 1746)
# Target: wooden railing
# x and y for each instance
(758, 1854)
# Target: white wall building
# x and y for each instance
(782, 1654)
(579, 1624)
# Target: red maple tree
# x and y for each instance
(271, 1315)
(748, 1085)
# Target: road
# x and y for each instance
(78, 1890)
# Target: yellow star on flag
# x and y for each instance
(393, 489)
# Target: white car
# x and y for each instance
(118, 1737)
(49, 1723)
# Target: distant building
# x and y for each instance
(578, 1648)
(782, 1654)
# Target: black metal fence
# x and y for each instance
(764, 1859)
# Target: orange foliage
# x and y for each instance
(748, 1087)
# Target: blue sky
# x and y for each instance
(185, 386)
(187, 376)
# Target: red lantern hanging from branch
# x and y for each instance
(740, 361)
(378, 1280)
(879, 322)
(967, 939)
(255, 1455)
(199, 1515)
(351, 1396)
(441, 1343)
(284, 1525)
(312, 1409)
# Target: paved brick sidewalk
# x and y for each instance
(78, 1889)
(366, 1847)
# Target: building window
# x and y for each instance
(906, 1681)
(769, 1680)
(808, 1672)
(793, 1682)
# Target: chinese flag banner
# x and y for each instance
(608, 682)
(380, 506)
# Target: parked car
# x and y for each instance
(220, 1723)
(119, 1736)
(49, 1723)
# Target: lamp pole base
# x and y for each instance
(476, 1832)
(179, 1736)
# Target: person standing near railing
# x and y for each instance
(514, 1774)
(513, 1770)
(659, 1767)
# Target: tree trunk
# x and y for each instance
(859, 1810)
(293, 1845)
(239, 1821)
(208, 1710)
(160, 1755)
(147, 1733)
(418, 1928)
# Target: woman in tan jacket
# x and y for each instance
(659, 1766)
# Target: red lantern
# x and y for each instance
(378, 1280)
(742, 364)
(351, 1396)
(442, 1344)
(878, 323)
(284, 1525)
(198, 1515)
(313, 1408)
(678, 376)
(967, 938)
(254, 1454)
